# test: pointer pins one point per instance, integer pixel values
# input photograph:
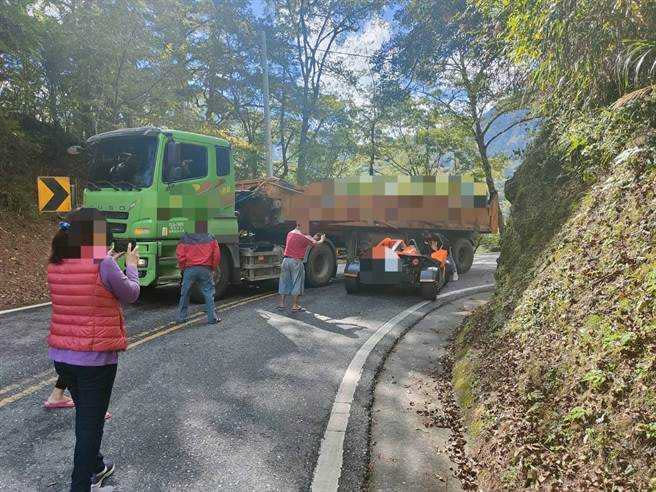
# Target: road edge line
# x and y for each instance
(24, 308)
(328, 468)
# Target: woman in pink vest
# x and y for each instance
(87, 331)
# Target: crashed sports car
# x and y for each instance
(395, 262)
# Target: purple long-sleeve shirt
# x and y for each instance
(125, 286)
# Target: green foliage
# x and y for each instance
(445, 52)
(489, 243)
(191, 65)
(423, 141)
(640, 62)
(577, 415)
(649, 430)
(578, 53)
(595, 378)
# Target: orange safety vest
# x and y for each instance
(440, 255)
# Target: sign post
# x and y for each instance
(54, 193)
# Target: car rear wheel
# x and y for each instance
(428, 290)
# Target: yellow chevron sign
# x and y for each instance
(54, 193)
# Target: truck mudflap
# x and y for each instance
(352, 277)
(352, 269)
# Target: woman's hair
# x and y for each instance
(77, 231)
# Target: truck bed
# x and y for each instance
(444, 202)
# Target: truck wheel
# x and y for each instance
(221, 281)
(463, 250)
(222, 275)
(428, 290)
(352, 285)
(320, 265)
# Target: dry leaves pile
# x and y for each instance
(450, 417)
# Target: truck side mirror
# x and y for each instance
(172, 158)
(75, 150)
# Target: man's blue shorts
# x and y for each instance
(292, 277)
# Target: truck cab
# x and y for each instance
(155, 184)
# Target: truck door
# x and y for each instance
(222, 215)
(183, 206)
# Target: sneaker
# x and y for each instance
(97, 478)
(215, 322)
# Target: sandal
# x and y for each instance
(59, 404)
(298, 309)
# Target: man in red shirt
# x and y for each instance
(198, 256)
(292, 271)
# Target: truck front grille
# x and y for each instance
(115, 215)
(117, 228)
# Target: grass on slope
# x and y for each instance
(557, 376)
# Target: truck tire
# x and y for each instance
(320, 265)
(428, 290)
(463, 250)
(222, 275)
(221, 280)
(352, 285)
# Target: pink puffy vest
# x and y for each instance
(85, 315)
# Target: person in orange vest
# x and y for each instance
(440, 253)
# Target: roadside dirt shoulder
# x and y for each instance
(417, 441)
(24, 250)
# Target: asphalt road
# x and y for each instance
(238, 406)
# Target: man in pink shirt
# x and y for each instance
(292, 271)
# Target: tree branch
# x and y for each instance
(523, 120)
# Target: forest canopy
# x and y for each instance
(417, 87)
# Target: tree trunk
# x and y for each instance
(487, 169)
(373, 147)
(301, 174)
(281, 129)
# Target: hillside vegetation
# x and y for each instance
(557, 376)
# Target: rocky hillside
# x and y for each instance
(557, 376)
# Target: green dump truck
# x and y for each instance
(154, 184)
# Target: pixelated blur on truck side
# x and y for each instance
(155, 184)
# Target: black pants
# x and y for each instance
(91, 388)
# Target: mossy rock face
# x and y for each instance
(558, 373)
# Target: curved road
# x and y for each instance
(241, 405)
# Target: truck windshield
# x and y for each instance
(123, 162)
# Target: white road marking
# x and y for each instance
(24, 308)
(329, 464)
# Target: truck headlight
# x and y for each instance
(141, 231)
(142, 262)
